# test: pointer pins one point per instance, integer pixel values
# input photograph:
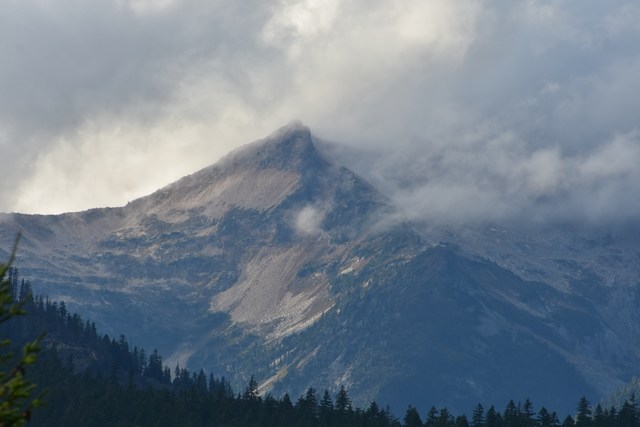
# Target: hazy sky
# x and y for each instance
(460, 110)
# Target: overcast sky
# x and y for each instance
(459, 110)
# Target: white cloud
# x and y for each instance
(503, 180)
(469, 110)
(308, 221)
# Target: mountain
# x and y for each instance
(279, 263)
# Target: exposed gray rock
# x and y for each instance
(273, 262)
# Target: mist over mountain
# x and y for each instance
(460, 111)
(278, 262)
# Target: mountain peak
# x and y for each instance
(256, 176)
(288, 148)
(293, 127)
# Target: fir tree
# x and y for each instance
(511, 415)
(16, 393)
(343, 401)
(527, 414)
(462, 421)
(154, 367)
(629, 414)
(412, 418)
(326, 409)
(251, 393)
(583, 415)
(445, 419)
(547, 419)
(493, 418)
(432, 417)
(477, 418)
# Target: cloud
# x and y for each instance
(469, 110)
(504, 180)
(308, 221)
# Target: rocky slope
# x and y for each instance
(273, 262)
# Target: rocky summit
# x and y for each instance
(277, 263)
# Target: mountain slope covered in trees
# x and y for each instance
(92, 380)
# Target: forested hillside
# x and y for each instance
(95, 380)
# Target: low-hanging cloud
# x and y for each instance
(502, 180)
(308, 221)
(460, 111)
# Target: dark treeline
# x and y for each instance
(523, 415)
(96, 380)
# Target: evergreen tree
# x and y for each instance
(477, 418)
(511, 415)
(613, 415)
(493, 418)
(286, 411)
(412, 418)
(432, 417)
(583, 415)
(629, 414)
(90, 332)
(326, 404)
(462, 421)
(599, 417)
(307, 405)
(343, 401)
(154, 367)
(24, 292)
(527, 414)
(373, 410)
(445, 419)
(251, 393)
(176, 375)
(374, 416)
(326, 409)
(201, 382)
(16, 393)
(547, 419)
(166, 376)
(62, 307)
(142, 361)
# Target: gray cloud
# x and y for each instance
(461, 111)
(502, 179)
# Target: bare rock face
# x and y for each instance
(273, 262)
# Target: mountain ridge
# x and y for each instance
(270, 262)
